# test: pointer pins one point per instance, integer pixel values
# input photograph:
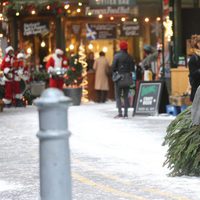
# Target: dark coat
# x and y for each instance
(123, 62)
(194, 74)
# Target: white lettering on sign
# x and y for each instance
(108, 10)
(112, 2)
(147, 100)
(35, 28)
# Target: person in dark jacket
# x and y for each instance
(122, 63)
(194, 69)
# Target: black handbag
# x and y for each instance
(126, 80)
(116, 76)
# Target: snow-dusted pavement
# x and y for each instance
(112, 159)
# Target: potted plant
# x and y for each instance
(38, 83)
(73, 80)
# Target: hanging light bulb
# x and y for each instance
(71, 47)
(17, 13)
(78, 10)
(100, 16)
(146, 19)
(43, 44)
(66, 6)
(29, 50)
(48, 7)
(123, 19)
(105, 49)
(135, 20)
(90, 46)
(158, 19)
(80, 3)
(112, 18)
(33, 12)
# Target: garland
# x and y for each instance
(183, 139)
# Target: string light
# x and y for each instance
(71, 47)
(146, 19)
(100, 16)
(90, 46)
(135, 20)
(33, 12)
(123, 19)
(111, 18)
(82, 60)
(66, 6)
(80, 3)
(48, 7)
(89, 13)
(168, 28)
(1, 17)
(29, 50)
(17, 13)
(43, 44)
(105, 49)
(78, 10)
(158, 19)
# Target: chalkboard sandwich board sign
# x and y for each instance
(152, 98)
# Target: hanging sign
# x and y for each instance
(112, 2)
(130, 29)
(101, 31)
(109, 10)
(152, 98)
(34, 28)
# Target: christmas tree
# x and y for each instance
(73, 76)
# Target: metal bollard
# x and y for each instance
(55, 171)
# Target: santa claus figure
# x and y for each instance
(56, 67)
(20, 74)
(7, 66)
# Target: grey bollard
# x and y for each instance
(55, 171)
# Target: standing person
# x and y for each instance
(101, 67)
(56, 66)
(90, 62)
(149, 63)
(194, 69)
(7, 66)
(122, 63)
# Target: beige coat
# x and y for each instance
(101, 67)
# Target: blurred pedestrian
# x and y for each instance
(194, 68)
(90, 62)
(123, 64)
(101, 67)
(149, 63)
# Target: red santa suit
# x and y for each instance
(20, 73)
(57, 64)
(8, 68)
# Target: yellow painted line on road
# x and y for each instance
(128, 182)
(96, 171)
(106, 188)
(166, 194)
